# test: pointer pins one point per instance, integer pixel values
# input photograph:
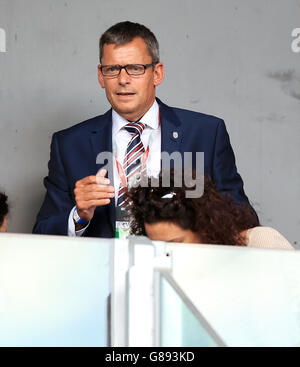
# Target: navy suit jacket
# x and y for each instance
(73, 157)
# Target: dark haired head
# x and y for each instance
(124, 32)
(3, 207)
(214, 217)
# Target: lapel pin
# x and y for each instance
(175, 134)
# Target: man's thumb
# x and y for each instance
(101, 173)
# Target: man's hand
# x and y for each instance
(90, 192)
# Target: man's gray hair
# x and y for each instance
(124, 32)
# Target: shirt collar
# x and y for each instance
(149, 119)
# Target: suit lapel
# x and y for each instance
(101, 138)
(171, 132)
(101, 141)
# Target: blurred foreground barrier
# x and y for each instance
(60, 291)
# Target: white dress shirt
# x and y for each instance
(151, 136)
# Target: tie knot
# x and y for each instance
(135, 127)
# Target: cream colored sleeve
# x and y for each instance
(267, 237)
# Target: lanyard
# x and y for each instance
(121, 170)
(144, 157)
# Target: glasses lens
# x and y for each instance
(135, 69)
(110, 70)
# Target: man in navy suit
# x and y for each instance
(80, 200)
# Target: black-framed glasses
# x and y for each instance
(131, 69)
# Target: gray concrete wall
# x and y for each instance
(232, 59)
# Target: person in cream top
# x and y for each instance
(166, 214)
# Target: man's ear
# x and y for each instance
(100, 77)
(159, 73)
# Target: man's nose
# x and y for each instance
(124, 78)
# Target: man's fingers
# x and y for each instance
(98, 188)
(82, 190)
(94, 195)
(86, 181)
(90, 180)
(86, 205)
(102, 180)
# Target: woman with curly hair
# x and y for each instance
(3, 212)
(165, 214)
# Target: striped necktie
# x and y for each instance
(132, 164)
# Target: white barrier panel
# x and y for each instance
(53, 290)
(250, 297)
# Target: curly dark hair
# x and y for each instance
(214, 216)
(3, 207)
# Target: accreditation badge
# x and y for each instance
(122, 223)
